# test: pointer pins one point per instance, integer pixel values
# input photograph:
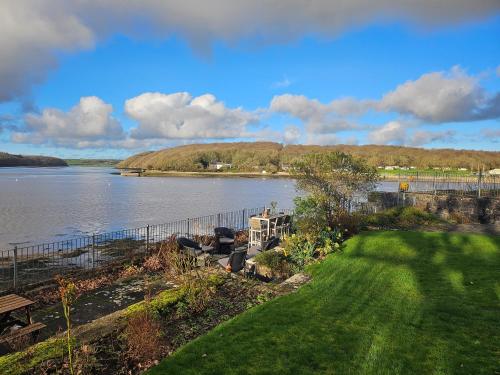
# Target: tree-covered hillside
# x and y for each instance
(255, 156)
(10, 160)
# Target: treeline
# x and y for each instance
(273, 157)
(10, 160)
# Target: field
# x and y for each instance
(92, 162)
(391, 302)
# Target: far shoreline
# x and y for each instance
(157, 173)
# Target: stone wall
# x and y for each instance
(463, 209)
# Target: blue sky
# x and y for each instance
(409, 83)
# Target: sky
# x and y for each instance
(107, 79)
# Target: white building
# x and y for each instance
(217, 165)
(494, 172)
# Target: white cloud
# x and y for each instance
(322, 140)
(442, 97)
(292, 134)
(284, 83)
(319, 118)
(396, 133)
(180, 116)
(422, 137)
(393, 132)
(87, 123)
(34, 32)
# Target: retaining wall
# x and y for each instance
(463, 209)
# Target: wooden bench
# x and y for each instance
(32, 328)
(9, 304)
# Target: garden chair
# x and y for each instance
(258, 232)
(277, 226)
(224, 240)
(287, 223)
(267, 245)
(235, 262)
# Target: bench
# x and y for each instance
(32, 328)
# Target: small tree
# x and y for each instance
(68, 293)
(331, 181)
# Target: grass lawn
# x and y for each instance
(392, 303)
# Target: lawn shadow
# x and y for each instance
(454, 306)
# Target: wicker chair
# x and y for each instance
(224, 240)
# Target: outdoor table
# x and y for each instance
(13, 302)
(9, 304)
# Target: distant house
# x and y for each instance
(391, 167)
(380, 167)
(494, 172)
(462, 169)
(217, 165)
(404, 168)
(413, 167)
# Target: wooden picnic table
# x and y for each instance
(9, 304)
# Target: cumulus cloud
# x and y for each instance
(34, 32)
(322, 139)
(88, 123)
(292, 134)
(422, 137)
(443, 97)
(434, 98)
(393, 132)
(396, 133)
(319, 118)
(180, 116)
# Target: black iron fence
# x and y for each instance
(435, 182)
(26, 265)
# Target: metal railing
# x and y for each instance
(25, 265)
(434, 182)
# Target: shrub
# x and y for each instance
(299, 249)
(200, 289)
(276, 261)
(400, 217)
(143, 336)
(329, 240)
(304, 249)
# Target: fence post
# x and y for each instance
(188, 226)
(93, 250)
(147, 239)
(15, 268)
(243, 215)
(218, 219)
(479, 184)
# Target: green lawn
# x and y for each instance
(391, 303)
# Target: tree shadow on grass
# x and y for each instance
(446, 307)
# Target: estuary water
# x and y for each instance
(51, 204)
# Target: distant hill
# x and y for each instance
(92, 162)
(10, 160)
(255, 156)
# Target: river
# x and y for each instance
(52, 204)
